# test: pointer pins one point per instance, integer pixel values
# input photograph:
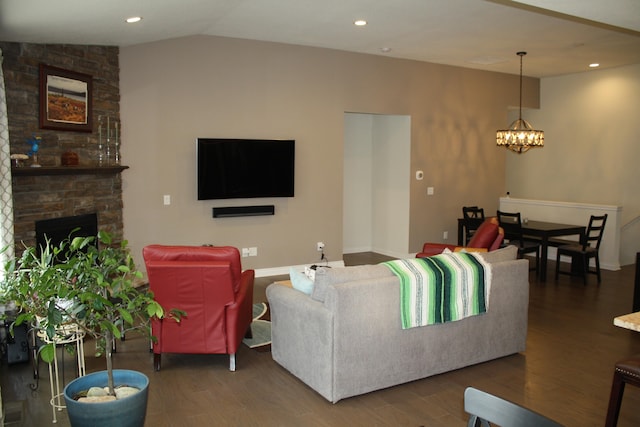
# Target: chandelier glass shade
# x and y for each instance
(520, 136)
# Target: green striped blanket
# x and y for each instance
(441, 288)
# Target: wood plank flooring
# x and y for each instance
(565, 373)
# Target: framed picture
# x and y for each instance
(65, 99)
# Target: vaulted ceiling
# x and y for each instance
(561, 37)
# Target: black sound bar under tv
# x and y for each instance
(243, 211)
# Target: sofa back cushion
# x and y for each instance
(508, 253)
(326, 276)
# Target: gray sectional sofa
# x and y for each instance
(345, 339)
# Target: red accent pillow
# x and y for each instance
(485, 235)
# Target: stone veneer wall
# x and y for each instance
(52, 196)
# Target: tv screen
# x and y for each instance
(245, 168)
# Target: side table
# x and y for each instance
(629, 321)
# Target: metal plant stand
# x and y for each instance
(68, 334)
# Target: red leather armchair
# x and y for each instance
(488, 236)
(209, 285)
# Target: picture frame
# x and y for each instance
(66, 99)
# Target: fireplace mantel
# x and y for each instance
(67, 170)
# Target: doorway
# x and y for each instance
(376, 192)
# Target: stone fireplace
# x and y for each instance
(39, 196)
(53, 190)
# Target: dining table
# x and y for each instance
(540, 230)
(545, 231)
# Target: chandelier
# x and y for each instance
(520, 136)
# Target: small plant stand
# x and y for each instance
(68, 334)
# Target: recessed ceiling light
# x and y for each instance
(594, 65)
(360, 23)
(385, 49)
(134, 19)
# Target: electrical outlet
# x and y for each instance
(245, 252)
(320, 246)
(253, 251)
(167, 199)
(445, 235)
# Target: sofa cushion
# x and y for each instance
(326, 276)
(300, 281)
(508, 253)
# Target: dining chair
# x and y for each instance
(473, 217)
(583, 251)
(511, 222)
(484, 408)
(627, 371)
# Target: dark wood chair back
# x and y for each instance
(593, 236)
(473, 218)
(587, 248)
(511, 223)
(485, 408)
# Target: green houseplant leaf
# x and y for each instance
(89, 281)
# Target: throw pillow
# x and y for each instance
(300, 281)
(484, 235)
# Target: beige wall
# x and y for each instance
(175, 91)
(592, 147)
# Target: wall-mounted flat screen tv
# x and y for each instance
(245, 168)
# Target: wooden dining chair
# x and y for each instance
(484, 408)
(511, 222)
(473, 217)
(583, 251)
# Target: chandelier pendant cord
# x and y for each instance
(521, 54)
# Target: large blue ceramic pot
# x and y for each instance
(129, 412)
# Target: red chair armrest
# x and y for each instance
(240, 312)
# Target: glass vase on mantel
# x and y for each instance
(108, 142)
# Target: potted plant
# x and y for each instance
(90, 282)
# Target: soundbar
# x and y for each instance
(243, 211)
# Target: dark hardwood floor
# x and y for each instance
(565, 373)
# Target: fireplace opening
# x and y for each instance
(59, 229)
